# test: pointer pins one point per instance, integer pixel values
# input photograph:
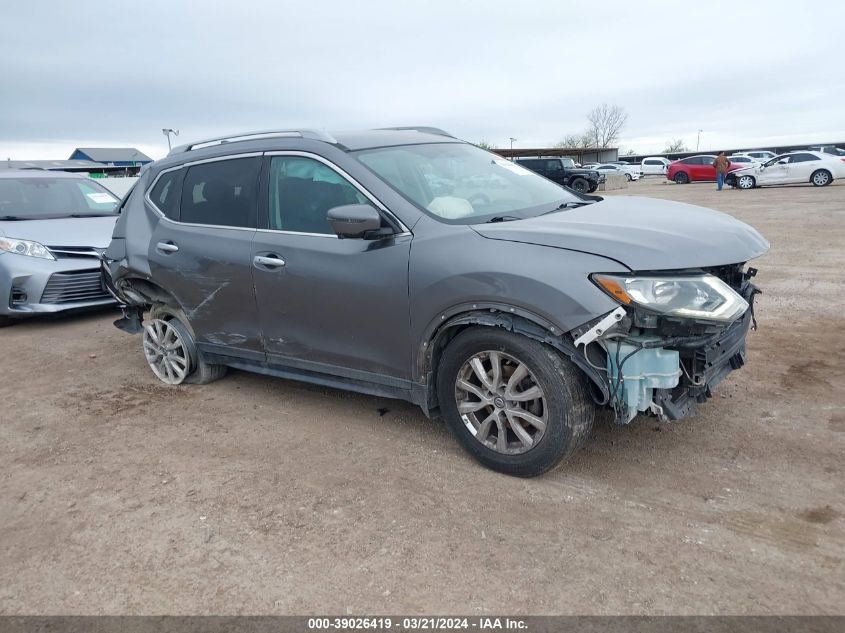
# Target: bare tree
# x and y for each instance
(574, 141)
(674, 146)
(485, 145)
(606, 123)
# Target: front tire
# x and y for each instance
(681, 178)
(821, 178)
(628, 177)
(580, 185)
(517, 406)
(746, 182)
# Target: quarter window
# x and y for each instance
(165, 195)
(302, 190)
(221, 193)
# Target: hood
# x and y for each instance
(94, 232)
(640, 233)
(580, 171)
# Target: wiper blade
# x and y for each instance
(9, 218)
(503, 218)
(90, 215)
(572, 204)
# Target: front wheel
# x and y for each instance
(821, 178)
(517, 406)
(746, 182)
(580, 185)
(629, 178)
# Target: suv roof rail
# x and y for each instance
(421, 128)
(317, 135)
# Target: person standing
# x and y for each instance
(721, 165)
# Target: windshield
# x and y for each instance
(40, 198)
(461, 183)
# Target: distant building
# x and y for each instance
(112, 156)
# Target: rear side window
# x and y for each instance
(302, 190)
(803, 158)
(553, 165)
(165, 194)
(652, 162)
(221, 193)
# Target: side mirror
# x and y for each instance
(354, 220)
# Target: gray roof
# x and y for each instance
(81, 165)
(16, 173)
(114, 154)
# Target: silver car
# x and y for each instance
(53, 228)
(410, 264)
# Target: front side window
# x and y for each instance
(45, 197)
(221, 193)
(476, 185)
(302, 190)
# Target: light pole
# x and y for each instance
(698, 140)
(167, 131)
(512, 139)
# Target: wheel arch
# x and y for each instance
(487, 314)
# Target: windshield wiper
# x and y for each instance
(90, 215)
(503, 218)
(571, 204)
(9, 218)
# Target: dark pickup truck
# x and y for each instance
(564, 172)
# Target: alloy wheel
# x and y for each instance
(821, 178)
(500, 402)
(166, 351)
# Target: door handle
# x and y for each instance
(272, 261)
(167, 247)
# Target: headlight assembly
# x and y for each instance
(24, 247)
(695, 297)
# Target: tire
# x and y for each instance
(197, 371)
(821, 178)
(682, 178)
(628, 177)
(580, 185)
(564, 405)
(6, 321)
(746, 182)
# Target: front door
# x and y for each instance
(327, 303)
(201, 251)
(775, 172)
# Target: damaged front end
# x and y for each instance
(673, 338)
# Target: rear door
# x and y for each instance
(201, 249)
(337, 306)
(801, 166)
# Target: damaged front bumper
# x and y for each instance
(669, 366)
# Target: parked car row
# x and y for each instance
(402, 263)
(747, 172)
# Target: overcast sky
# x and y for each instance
(114, 73)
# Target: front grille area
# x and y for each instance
(71, 287)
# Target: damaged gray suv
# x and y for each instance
(408, 264)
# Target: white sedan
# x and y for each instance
(794, 167)
(631, 172)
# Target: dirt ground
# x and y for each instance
(257, 495)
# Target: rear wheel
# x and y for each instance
(580, 185)
(746, 182)
(516, 405)
(682, 178)
(170, 350)
(821, 178)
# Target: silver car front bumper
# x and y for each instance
(30, 285)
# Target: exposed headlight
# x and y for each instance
(700, 297)
(24, 247)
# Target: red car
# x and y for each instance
(695, 169)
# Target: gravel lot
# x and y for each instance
(257, 495)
